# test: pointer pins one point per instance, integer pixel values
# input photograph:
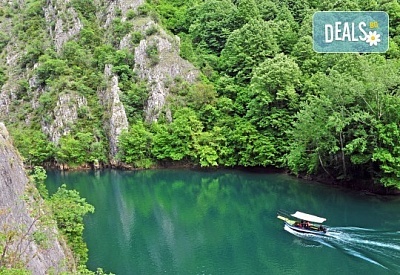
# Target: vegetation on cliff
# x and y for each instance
(39, 233)
(278, 102)
(66, 209)
(263, 98)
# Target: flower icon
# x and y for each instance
(373, 38)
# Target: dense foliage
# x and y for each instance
(265, 99)
(67, 208)
(278, 102)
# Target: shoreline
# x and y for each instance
(362, 186)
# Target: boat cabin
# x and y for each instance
(308, 222)
(304, 223)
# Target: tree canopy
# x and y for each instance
(264, 97)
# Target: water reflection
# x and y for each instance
(195, 222)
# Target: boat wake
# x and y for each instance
(377, 247)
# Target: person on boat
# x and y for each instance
(307, 224)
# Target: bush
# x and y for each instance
(130, 14)
(152, 54)
(144, 10)
(135, 146)
(136, 37)
(33, 145)
(152, 30)
(120, 29)
(69, 209)
(85, 7)
(3, 40)
(80, 148)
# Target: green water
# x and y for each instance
(224, 222)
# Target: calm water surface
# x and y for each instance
(224, 222)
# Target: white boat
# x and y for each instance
(303, 222)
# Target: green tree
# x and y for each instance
(392, 7)
(174, 14)
(268, 9)
(69, 209)
(297, 9)
(247, 11)
(176, 140)
(80, 148)
(251, 147)
(103, 55)
(135, 146)
(200, 95)
(133, 96)
(86, 7)
(274, 99)
(33, 146)
(333, 114)
(274, 83)
(212, 23)
(284, 34)
(205, 147)
(387, 154)
(348, 128)
(246, 48)
(305, 57)
(51, 68)
(39, 175)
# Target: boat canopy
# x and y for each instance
(308, 217)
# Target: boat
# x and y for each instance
(303, 222)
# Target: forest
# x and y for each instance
(264, 97)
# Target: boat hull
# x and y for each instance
(304, 230)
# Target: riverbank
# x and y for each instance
(116, 165)
(367, 187)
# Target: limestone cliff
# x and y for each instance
(162, 70)
(62, 20)
(12, 54)
(19, 220)
(117, 120)
(41, 95)
(63, 116)
(110, 9)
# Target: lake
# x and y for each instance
(224, 222)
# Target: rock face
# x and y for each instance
(17, 216)
(64, 116)
(117, 120)
(156, 59)
(64, 19)
(160, 68)
(4, 104)
(111, 8)
(12, 55)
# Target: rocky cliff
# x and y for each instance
(162, 71)
(117, 121)
(38, 92)
(156, 55)
(63, 22)
(24, 238)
